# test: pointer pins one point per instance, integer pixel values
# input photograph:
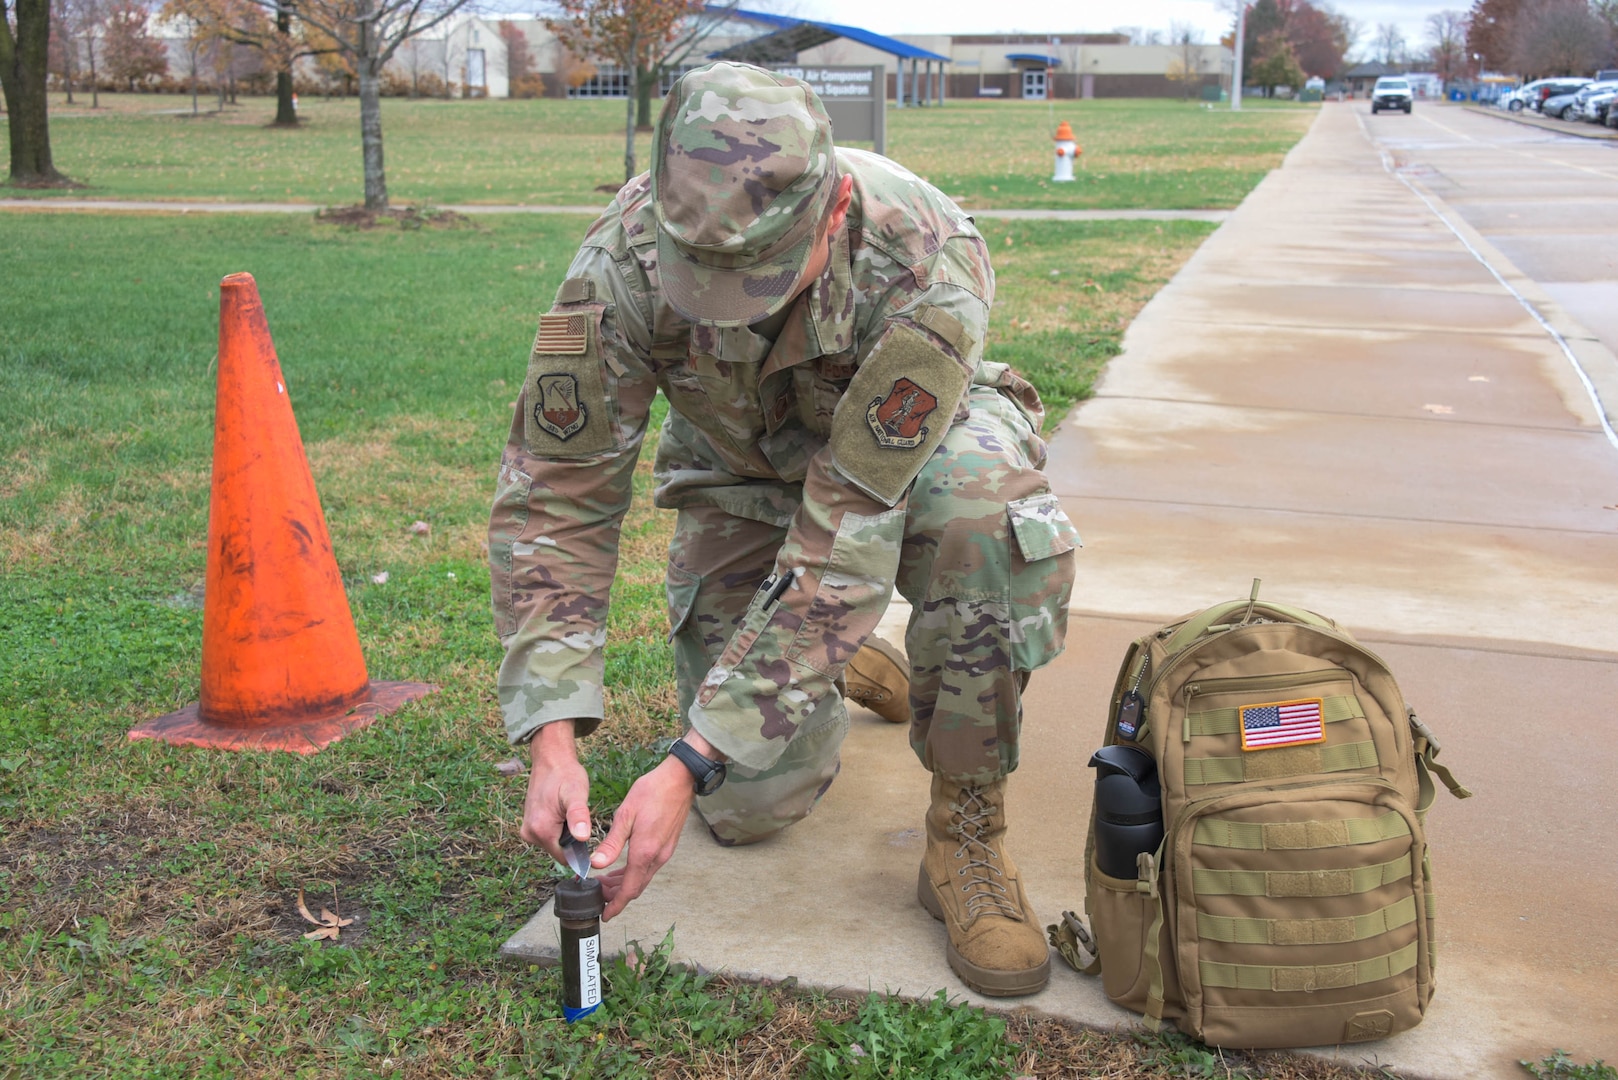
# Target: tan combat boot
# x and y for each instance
(879, 678)
(970, 883)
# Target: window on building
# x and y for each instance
(607, 82)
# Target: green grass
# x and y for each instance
(148, 894)
(1137, 153)
(147, 883)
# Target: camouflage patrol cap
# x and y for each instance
(742, 177)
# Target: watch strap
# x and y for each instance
(709, 774)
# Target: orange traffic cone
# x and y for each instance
(281, 661)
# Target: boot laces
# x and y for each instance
(986, 890)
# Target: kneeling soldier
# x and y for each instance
(815, 318)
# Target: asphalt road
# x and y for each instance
(1549, 202)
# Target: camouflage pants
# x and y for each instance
(988, 585)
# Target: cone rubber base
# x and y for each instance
(306, 736)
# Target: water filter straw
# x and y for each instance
(578, 909)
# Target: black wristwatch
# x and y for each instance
(709, 773)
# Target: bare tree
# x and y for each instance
(1558, 37)
(1446, 33)
(1389, 43)
(64, 50)
(1185, 63)
(368, 33)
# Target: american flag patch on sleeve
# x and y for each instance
(1282, 723)
(561, 334)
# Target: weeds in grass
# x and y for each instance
(1559, 1066)
(931, 1040)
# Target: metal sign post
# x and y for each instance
(856, 99)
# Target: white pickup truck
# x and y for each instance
(1391, 93)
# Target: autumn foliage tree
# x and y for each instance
(645, 38)
(523, 80)
(132, 56)
(1316, 37)
(1488, 32)
(1277, 63)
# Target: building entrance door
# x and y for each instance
(1033, 84)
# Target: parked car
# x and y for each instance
(1391, 93)
(1599, 106)
(1556, 106)
(1571, 106)
(1532, 95)
(1556, 87)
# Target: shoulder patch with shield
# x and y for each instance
(566, 414)
(896, 411)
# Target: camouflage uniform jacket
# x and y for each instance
(819, 431)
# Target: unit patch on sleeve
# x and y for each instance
(895, 412)
(897, 420)
(1282, 723)
(567, 413)
(559, 410)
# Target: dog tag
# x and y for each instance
(1129, 710)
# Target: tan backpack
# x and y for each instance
(1257, 870)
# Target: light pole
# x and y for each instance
(1236, 80)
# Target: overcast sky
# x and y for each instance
(1093, 16)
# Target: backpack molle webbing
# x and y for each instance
(1289, 901)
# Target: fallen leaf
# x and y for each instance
(509, 767)
(1441, 410)
(329, 925)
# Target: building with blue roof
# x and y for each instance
(921, 69)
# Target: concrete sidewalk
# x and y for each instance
(1336, 396)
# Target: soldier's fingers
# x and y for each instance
(575, 799)
(606, 852)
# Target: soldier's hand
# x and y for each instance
(649, 821)
(558, 791)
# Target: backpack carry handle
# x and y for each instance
(1221, 613)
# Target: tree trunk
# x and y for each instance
(629, 138)
(645, 81)
(376, 184)
(22, 78)
(285, 114)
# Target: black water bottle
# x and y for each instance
(1129, 808)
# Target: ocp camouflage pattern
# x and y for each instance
(748, 437)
